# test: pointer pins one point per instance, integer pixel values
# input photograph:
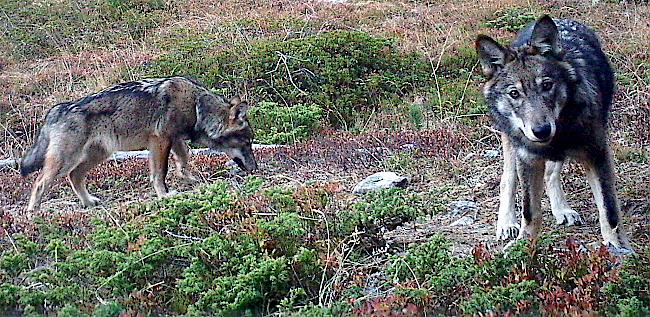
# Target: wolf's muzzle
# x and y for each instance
(543, 132)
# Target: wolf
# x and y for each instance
(549, 95)
(155, 113)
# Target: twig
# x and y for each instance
(180, 236)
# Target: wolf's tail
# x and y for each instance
(35, 157)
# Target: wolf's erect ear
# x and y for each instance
(235, 101)
(238, 109)
(545, 37)
(491, 54)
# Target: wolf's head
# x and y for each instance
(225, 127)
(529, 85)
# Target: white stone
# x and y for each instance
(378, 181)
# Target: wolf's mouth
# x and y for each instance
(240, 163)
(546, 141)
(538, 141)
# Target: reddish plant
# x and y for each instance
(390, 306)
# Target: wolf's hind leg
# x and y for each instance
(600, 176)
(58, 162)
(77, 177)
(159, 163)
(507, 226)
(43, 182)
(181, 157)
(561, 210)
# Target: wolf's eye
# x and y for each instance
(514, 94)
(547, 85)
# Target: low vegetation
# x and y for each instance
(37, 29)
(216, 251)
(260, 250)
(277, 124)
(344, 73)
(352, 87)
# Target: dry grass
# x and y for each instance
(436, 29)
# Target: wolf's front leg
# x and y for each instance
(561, 210)
(181, 154)
(600, 176)
(507, 226)
(531, 179)
(159, 148)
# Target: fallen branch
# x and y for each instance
(12, 163)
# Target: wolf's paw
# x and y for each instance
(170, 193)
(188, 177)
(568, 217)
(510, 244)
(618, 250)
(507, 230)
(91, 201)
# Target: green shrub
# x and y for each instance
(13, 263)
(421, 261)
(500, 298)
(275, 124)
(456, 92)
(512, 19)
(9, 294)
(630, 295)
(281, 199)
(261, 282)
(389, 207)
(285, 231)
(416, 115)
(630, 307)
(343, 73)
(70, 311)
(252, 185)
(110, 309)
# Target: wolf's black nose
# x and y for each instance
(542, 132)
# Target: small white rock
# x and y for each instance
(378, 181)
(491, 154)
(463, 221)
(460, 207)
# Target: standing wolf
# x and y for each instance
(158, 114)
(549, 95)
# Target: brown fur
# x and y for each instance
(157, 114)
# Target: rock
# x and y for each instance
(461, 207)
(409, 146)
(378, 181)
(373, 284)
(463, 221)
(613, 250)
(491, 154)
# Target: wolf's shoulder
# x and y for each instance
(572, 35)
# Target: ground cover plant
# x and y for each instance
(348, 88)
(269, 249)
